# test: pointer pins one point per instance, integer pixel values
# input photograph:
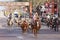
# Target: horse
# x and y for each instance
(24, 26)
(10, 20)
(16, 21)
(36, 25)
(10, 23)
(55, 24)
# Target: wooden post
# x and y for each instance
(53, 6)
(30, 4)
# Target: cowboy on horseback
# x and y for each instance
(24, 25)
(55, 24)
(15, 16)
(10, 19)
(36, 24)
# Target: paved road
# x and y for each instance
(16, 33)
